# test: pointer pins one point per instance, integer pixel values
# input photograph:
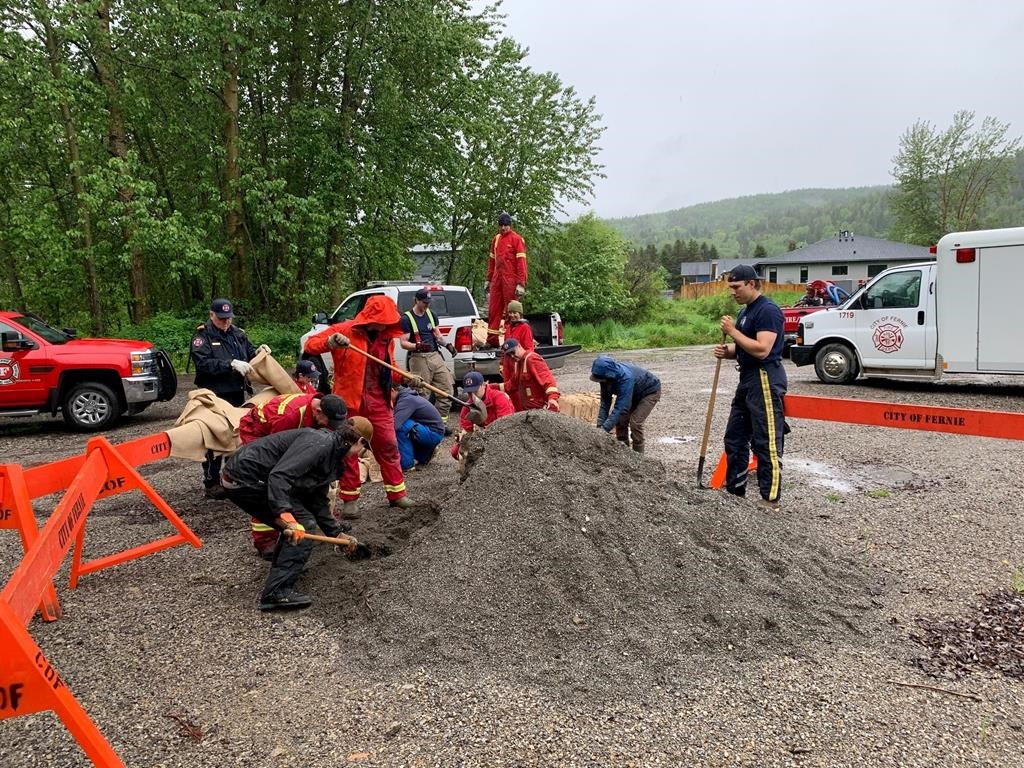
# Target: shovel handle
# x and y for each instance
(341, 541)
(707, 421)
(407, 375)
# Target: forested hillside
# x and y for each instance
(736, 227)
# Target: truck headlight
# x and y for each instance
(143, 362)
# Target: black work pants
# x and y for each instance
(212, 463)
(289, 559)
(756, 421)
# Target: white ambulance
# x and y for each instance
(954, 315)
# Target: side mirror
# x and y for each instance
(320, 319)
(69, 332)
(15, 342)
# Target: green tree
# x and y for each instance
(759, 252)
(945, 178)
(582, 272)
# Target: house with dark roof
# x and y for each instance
(845, 259)
(707, 271)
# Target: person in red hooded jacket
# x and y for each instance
(520, 330)
(366, 387)
(506, 275)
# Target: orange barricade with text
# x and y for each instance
(930, 418)
(28, 682)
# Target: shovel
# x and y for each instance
(707, 422)
(407, 375)
(348, 543)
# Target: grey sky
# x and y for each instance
(728, 98)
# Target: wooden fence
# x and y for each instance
(696, 290)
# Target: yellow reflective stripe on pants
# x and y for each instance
(352, 494)
(395, 488)
(773, 453)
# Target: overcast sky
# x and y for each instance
(728, 98)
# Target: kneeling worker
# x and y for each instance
(277, 415)
(418, 426)
(283, 480)
(531, 384)
(487, 403)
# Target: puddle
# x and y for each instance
(852, 479)
(675, 440)
(819, 473)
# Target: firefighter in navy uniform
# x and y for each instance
(756, 417)
(222, 352)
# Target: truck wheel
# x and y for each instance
(91, 407)
(835, 364)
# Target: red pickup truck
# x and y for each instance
(91, 381)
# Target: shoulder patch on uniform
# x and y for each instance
(197, 341)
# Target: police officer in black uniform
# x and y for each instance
(756, 418)
(222, 352)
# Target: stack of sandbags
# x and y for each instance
(479, 333)
(583, 406)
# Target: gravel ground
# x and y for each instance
(681, 628)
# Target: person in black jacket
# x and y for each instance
(283, 479)
(636, 391)
(222, 352)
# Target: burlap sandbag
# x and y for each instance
(266, 370)
(583, 406)
(207, 423)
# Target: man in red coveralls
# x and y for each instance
(506, 274)
(487, 404)
(366, 387)
(518, 329)
(276, 415)
(532, 384)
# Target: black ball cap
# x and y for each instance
(222, 308)
(742, 273)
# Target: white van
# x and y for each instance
(953, 315)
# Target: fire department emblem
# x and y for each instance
(887, 338)
(9, 371)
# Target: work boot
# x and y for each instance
(403, 503)
(284, 599)
(771, 506)
(215, 491)
(349, 511)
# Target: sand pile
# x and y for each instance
(564, 556)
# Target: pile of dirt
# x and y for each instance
(564, 556)
(990, 638)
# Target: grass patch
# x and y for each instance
(1017, 581)
(879, 493)
(680, 323)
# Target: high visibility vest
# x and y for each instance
(431, 323)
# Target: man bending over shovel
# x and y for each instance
(282, 480)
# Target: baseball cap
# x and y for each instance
(504, 220)
(515, 306)
(363, 427)
(423, 295)
(334, 409)
(473, 381)
(742, 273)
(509, 346)
(307, 368)
(222, 308)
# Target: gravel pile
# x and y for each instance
(563, 558)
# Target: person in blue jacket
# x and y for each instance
(636, 392)
(418, 427)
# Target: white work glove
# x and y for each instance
(241, 367)
(336, 340)
(477, 412)
(264, 348)
(553, 406)
(520, 291)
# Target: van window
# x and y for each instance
(900, 290)
(351, 306)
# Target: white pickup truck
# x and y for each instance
(455, 310)
(953, 315)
